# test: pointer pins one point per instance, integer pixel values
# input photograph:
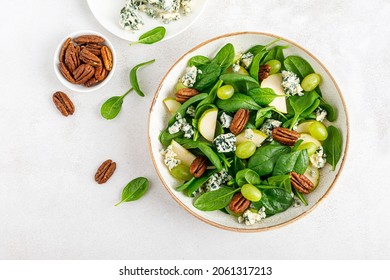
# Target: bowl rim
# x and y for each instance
(249, 230)
(81, 88)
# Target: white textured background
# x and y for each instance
(50, 207)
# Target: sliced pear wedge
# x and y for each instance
(184, 155)
(258, 137)
(274, 82)
(171, 104)
(207, 123)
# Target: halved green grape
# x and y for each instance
(245, 149)
(179, 86)
(225, 92)
(181, 172)
(241, 71)
(309, 146)
(318, 130)
(311, 81)
(275, 66)
(250, 192)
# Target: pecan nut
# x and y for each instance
(93, 48)
(183, 94)
(105, 171)
(91, 82)
(71, 59)
(285, 136)
(63, 103)
(83, 73)
(100, 73)
(107, 57)
(301, 183)
(239, 121)
(89, 58)
(263, 72)
(239, 204)
(63, 49)
(198, 166)
(65, 72)
(85, 39)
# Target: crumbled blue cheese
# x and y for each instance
(236, 67)
(181, 124)
(189, 77)
(268, 126)
(169, 17)
(217, 180)
(249, 133)
(191, 111)
(297, 202)
(291, 83)
(320, 114)
(225, 143)
(129, 19)
(170, 159)
(250, 218)
(226, 120)
(186, 6)
(246, 59)
(318, 159)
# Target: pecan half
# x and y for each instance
(301, 183)
(63, 49)
(84, 39)
(239, 204)
(65, 72)
(100, 73)
(107, 57)
(285, 136)
(183, 94)
(89, 58)
(239, 121)
(71, 59)
(93, 48)
(105, 171)
(198, 166)
(91, 82)
(83, 73)
(63, 103)
(263, 72)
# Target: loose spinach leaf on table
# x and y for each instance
(240, 83)
(208, 76)
(198, 60)
(224, 58)
(151, 36)
(274, 201)
(247, 176)
(215, 200)
(332, 146)
(134, 79)
(236, 102)
(297, 161)
(134, 190)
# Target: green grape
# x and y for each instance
(250, 192)
(311, 81)
(179, 85)
(309, 146)
(245, 149)
(181, 172)
(241, 71)
(225, 92)
(318, 130)
(275, 66)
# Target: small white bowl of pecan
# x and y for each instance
(84, 61)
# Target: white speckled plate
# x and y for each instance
(159, 116)
(107, 13)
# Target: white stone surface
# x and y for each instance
(50, 206)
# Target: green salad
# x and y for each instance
(249, 132)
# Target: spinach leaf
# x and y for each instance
(263, 96)
(198, 60)
(332, 146)
(111, 108)
(265, 157)
(183, 107)
(134, 79)
(219, 129)
(215, 200)
(298, 65)
(297, 161)
(274, 201)
(281, 181)
(241, 83)
(185, 186)
(256, 49)
(208, 76)
(196, 184)
(224, 58)
(330, 110)
(301, 103)
(238, 164)
(212, 95)
(301, 197)
(236, 102)
(247, 176)
(275, 53)
(166, 138)
(262, 114)
(311, 109)
(255, 65)
(134, 190)
(151, 36)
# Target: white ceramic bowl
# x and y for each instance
(158, 117)
(82, 88)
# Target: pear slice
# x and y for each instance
(303, 127)
(258, 137)
(185, 156)
(313, 174)
(172, 104)
(274, 82)
(207, 123)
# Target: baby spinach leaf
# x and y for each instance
(301, 103)
(265, 157)
(247, 176)
(198, 60)
(301, 197)
(134, 79)
(275, 53)
(297, 161)
(262, 114)
(212, 94)
(185, 186)
(298, 65)
(215, 200)
(183, 107)
(208, 76)
(311, 109)
(256, 49)
(281, 181)
(274, 201)
(254, 68)
(166, 138)
(134, 190)
(238, 164)
(241, 83)
(224, 58)
(330, 110)
(236, 102)
(151, 36)
(196, 184)
(263, 96)
(332, 146)
(111, 108)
